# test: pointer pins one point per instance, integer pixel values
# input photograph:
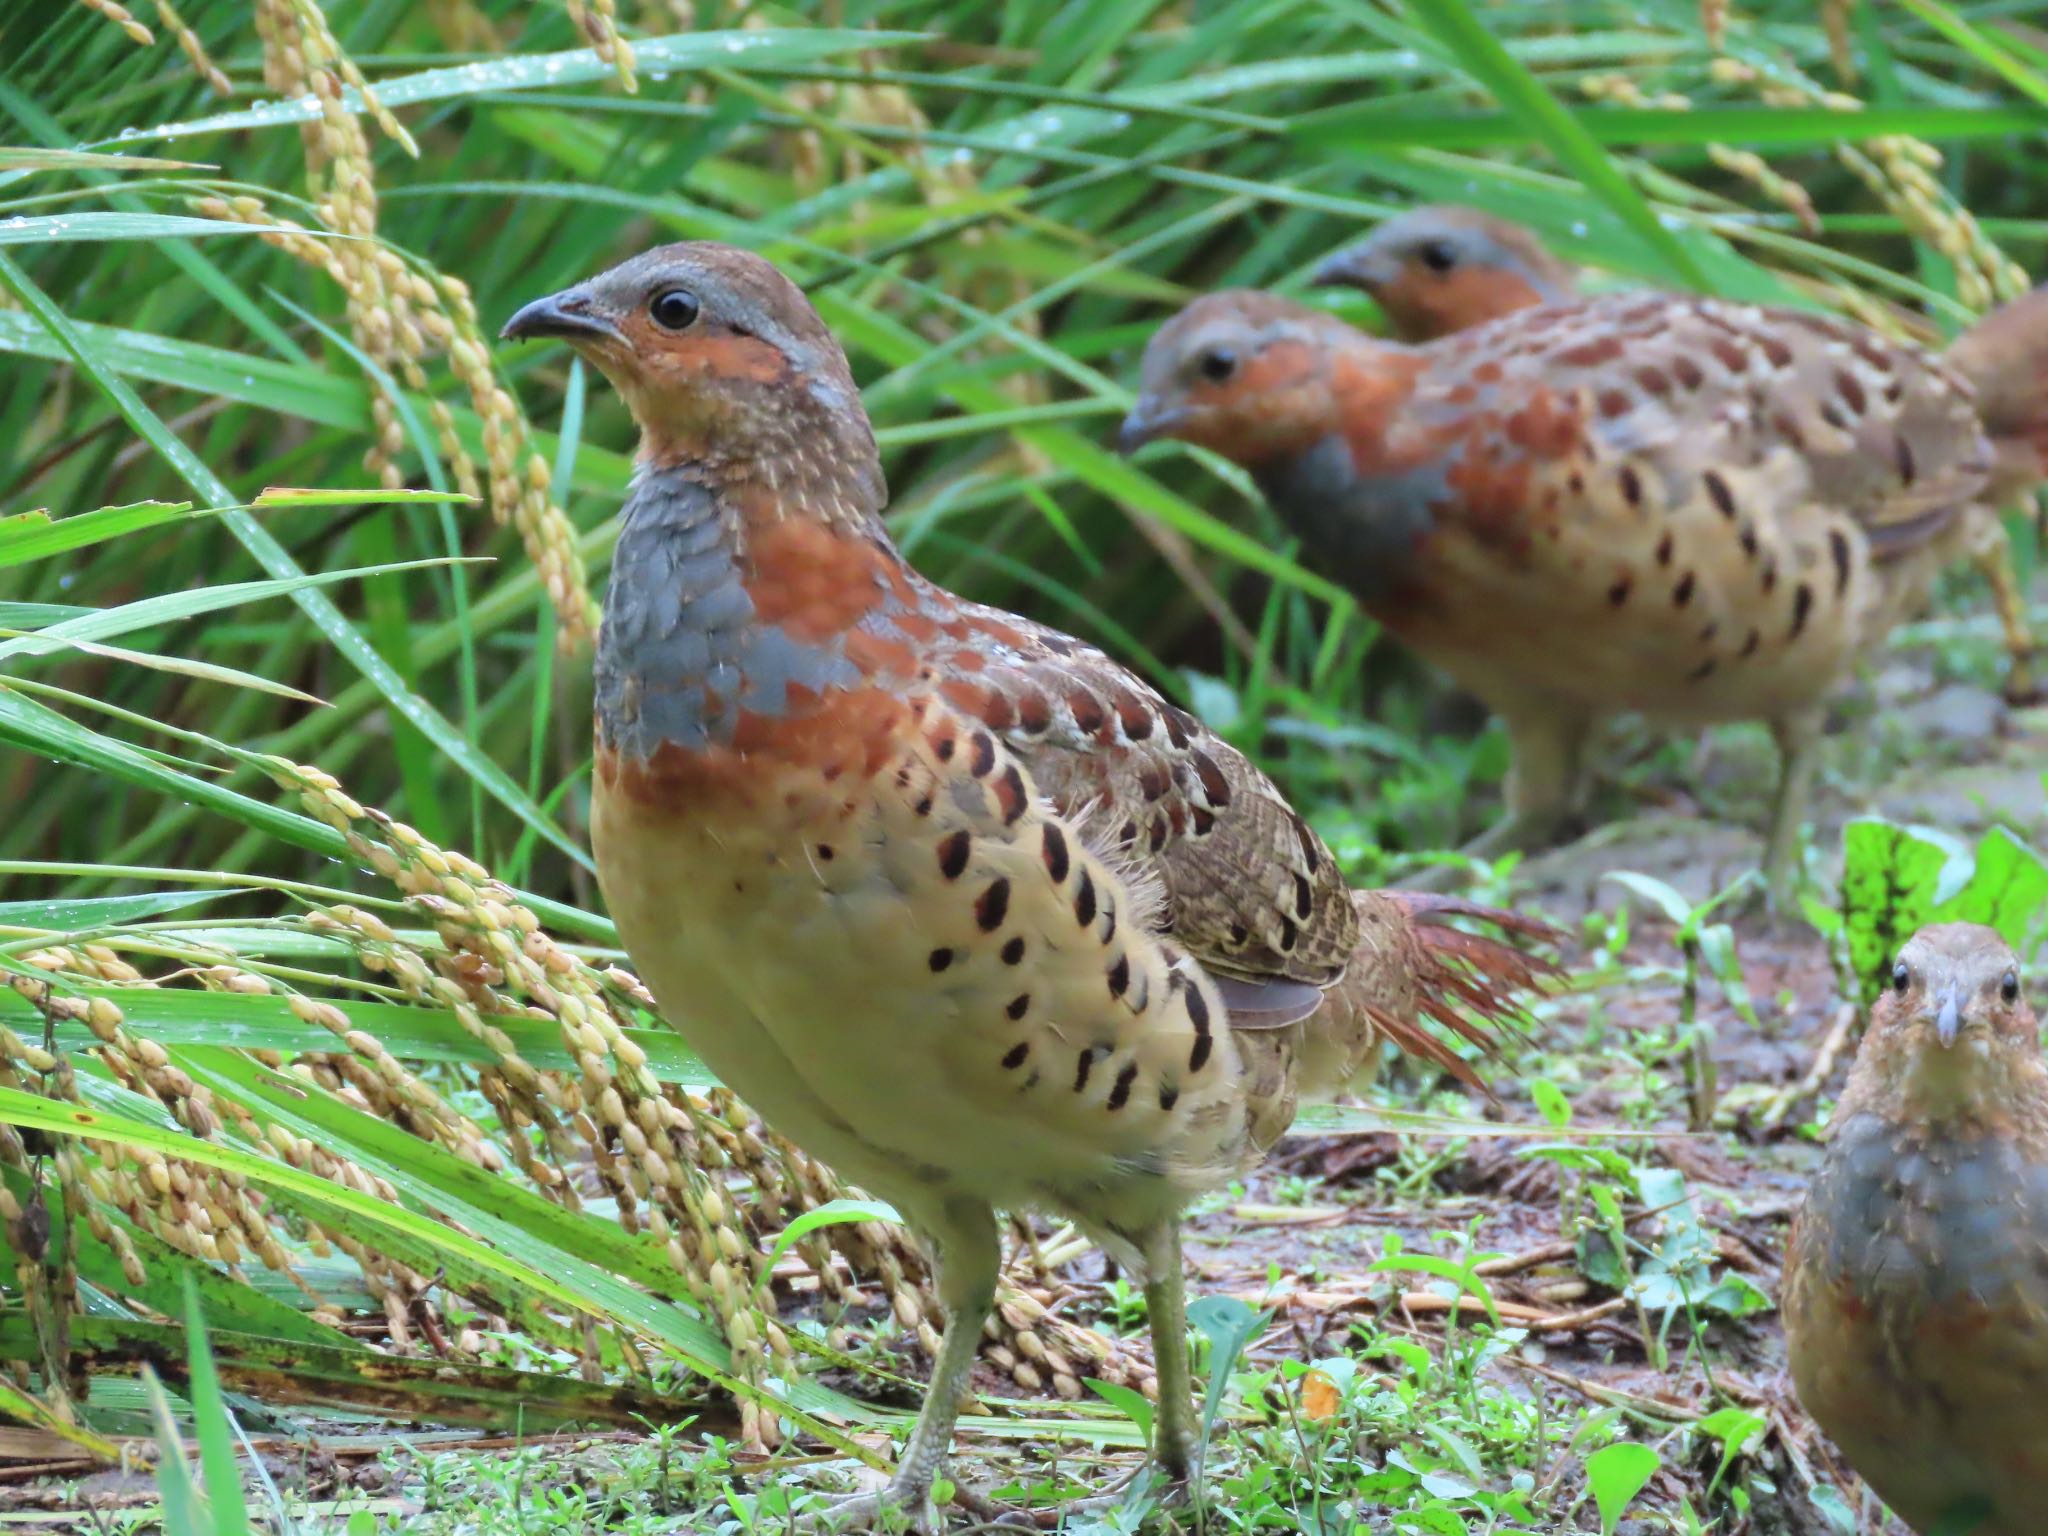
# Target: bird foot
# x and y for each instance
(1145, 1490)
(2023, 686)
(894, 1510)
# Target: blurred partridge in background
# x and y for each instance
(952, 899)
(1916, 1285)
(1439, 269)
(1687, 508)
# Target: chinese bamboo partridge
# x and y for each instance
(953, 900)
(1442, 268)
(1439, 269)
(1694, 509)
(1916, 1284)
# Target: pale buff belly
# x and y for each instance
(797, 960)
(1552, 637)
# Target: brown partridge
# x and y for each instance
(1916, 1284)
(1440, 269)
(952, 899)
(1687, 508)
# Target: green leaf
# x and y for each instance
(1480, 53)
(1134, 1405)
(30, 536)
(217, 1461)
(753, 49)
(831, 1213)
(272, 557)
(1616, 1474)
(67, 227)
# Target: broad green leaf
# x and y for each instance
(1616, 1474)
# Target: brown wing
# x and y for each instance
(1838, 416)
(1251, 891)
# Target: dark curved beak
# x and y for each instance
(1149, 419)
(568, 314)
(1354, 267)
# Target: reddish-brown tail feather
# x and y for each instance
(1413, 970)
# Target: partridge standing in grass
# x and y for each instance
(1916, 1285)
(1439, 269)
(1442, 268)
(952, 899)
(1693, 509)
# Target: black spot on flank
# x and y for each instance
(939, 959)
(945, 750)
(954, 849)
(1664, 547)
(1019, 1006)
(1702, 672)
(827, 853)
(1108, 922)
(1616, 596)
(1802, 607)
(1756, 638)
(1084, 900)
(1179, 724)
(1631, 485)
(1056, 854)
(1120, 976)
(1838, 551)
(1908, 469)
(1311, 846)
(1198, 1058)
(1083, 1065)
(1169, 1095)
(1198, 1005)
(982, 762)
(1013, 952)
(924, 806)
(1289, 935)
(1718, 493)
(1830, 414)
(1014, 1057)
(1770, 574)
(1749, 540)
(1156, 838)
(1238, 935)
(1682, 593)
(1010, 793)
(1127, 834)
(1120, 1090)
(1304, 897)
(1203, 820)
(992, 906)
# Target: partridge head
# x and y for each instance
(1443, 268)
(1916, 1303)
(1677, 506)
(952, 899)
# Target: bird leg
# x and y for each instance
(1176, 1433)
(969, 1259)
(1993, 559)
(1546, 784)
(1798, 738)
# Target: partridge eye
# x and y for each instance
(2009, 986)
(1438, 256)
(1901, 977)
(674, 309)
(1217, 364)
